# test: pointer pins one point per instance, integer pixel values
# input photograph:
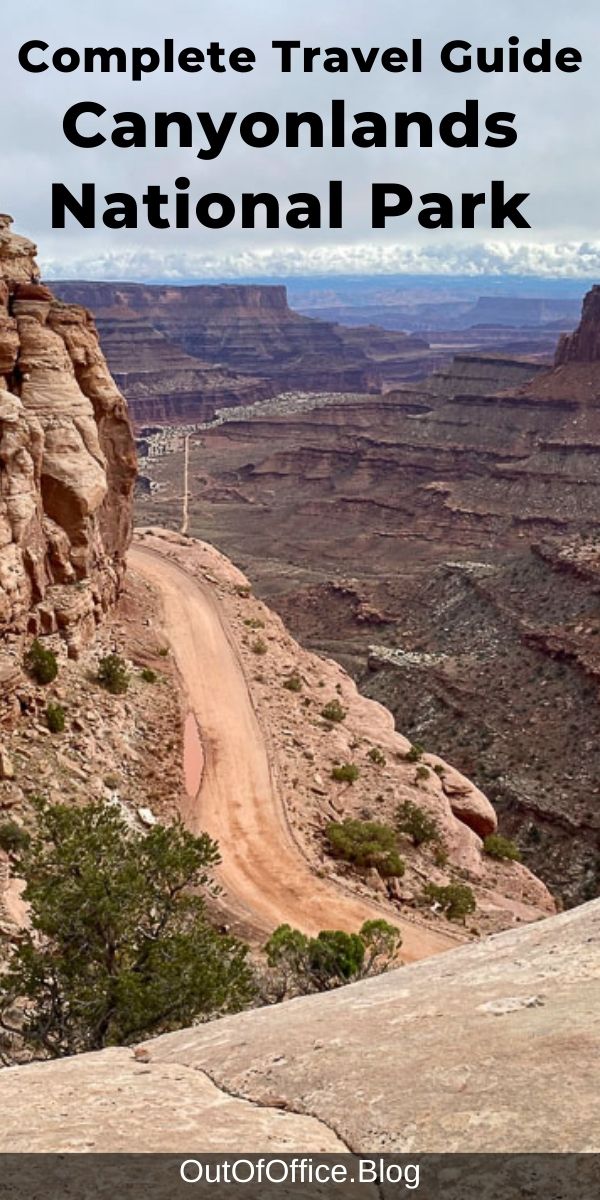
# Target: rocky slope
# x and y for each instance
(181, 352)
(376, 1067)
(443, 492)
(67, 458)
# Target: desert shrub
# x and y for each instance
(414, 821)
(12, 837)
(377, 756)
(55, 717)
(333, 711)
(120, 945)
(259, 646)
(164, 651)
(365, 844)
(415, 753)
(243, 591)
(113, 675)
(148, 675)
(254, 623)
(422, 773)
(293, 683)
(440, 770)
(40, 663)
(501, 848)
(345, 773)
(301, 965)
(440, 855)
(455, 899)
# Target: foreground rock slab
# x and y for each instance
(491, 1047)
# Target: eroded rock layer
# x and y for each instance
(180, 353)
(67, 458)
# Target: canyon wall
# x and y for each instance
(441, 540)
(180, 353)
(67, 459)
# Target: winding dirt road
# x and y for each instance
(265, 876)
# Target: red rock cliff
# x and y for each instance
(67, 458)
(583, 346)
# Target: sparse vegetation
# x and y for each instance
(40, 663)
(259, 646)
(365, 844)
(243, 591)
(376, 756)
(148, 675)
(301, 964)
(345, 773)
(501, 848)
(113, 674)
(415, 753)
(440, 770)
(333, 711)
(164, 651)
(455, 899)
(55, 717)
(414, 821)
(293, 683)
(254, 623)
(120, 946)
(422, 773)
(12, 837)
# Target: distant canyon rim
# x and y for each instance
(436, 531)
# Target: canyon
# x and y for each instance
(417, 540)
(441, 541)
(180, 353)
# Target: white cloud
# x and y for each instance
(554, 259)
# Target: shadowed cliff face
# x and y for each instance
(179, 353)
(67, 459)
(584, 344)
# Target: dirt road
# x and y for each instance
(265, 876)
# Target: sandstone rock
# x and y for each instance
(7, 770)
(67, 455)
(377, 1066)
(468, 803)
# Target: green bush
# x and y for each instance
(113, 675)
(120, 946)
(365, 844)
(501, 848)
(259, 646)
(40, 663)
(412, 820)
(440, 770)
(456, 899)
(346, 773)
(415, 753)
(377, 756)
(293, 683)
(12, 837)
(422, 773)
(302, 964)
(333, 711)
(55, 717)
(148, 675)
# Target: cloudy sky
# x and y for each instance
(556, 157)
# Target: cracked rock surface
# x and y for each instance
(490, 1047)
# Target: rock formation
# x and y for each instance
(584, 344)
(179, 353)
(490, 1047)
(66, 455)
(460, 501)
